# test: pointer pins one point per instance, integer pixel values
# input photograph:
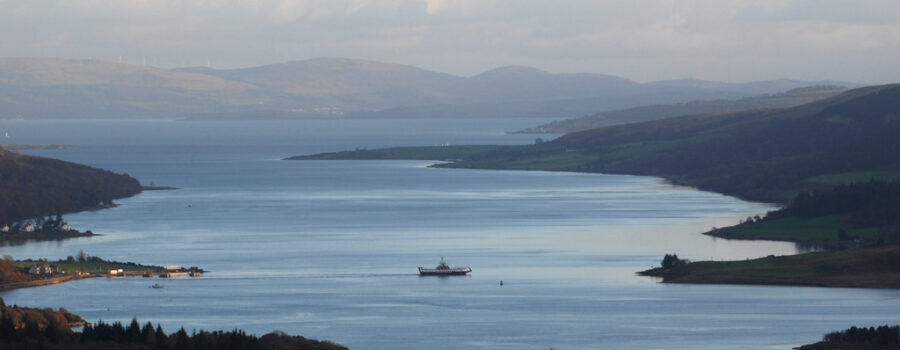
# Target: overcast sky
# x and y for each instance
(732, 40)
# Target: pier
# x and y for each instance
(167, 272)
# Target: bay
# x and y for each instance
(329, 249)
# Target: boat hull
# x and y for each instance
(451, 272)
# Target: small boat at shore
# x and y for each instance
(444, 270)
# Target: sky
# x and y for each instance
(645, 40)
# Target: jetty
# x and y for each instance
(175, 271)
(167, 272)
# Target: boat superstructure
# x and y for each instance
(444, 270)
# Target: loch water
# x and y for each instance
(329, 249)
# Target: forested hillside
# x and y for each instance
(36, 186)
(762, 155)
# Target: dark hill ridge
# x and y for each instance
(329, 87)
(758, 87)
(765, 155)
(35, 186)
(790, 98)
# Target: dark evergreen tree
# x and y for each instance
(133, 332)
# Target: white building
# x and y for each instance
(29, 227)
(65, 226)
(4, 228)
(42, 269)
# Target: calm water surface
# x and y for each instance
(329, 249)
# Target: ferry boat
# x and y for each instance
(444, 270)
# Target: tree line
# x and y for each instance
(18, 317)
(870, 204)
(885, 337)
(113, 336)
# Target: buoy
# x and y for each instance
(501, 283)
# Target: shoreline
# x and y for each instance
(22, 238)
(158, 188)
(16, 147)
(450, 157)
(92, 267)
(546, 157)
(42, 282)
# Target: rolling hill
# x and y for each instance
(52, 88)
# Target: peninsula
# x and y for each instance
(767, 155)
(873, 267)
(33, 187)
(26, 273)
(834, 162)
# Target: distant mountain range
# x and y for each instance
(34, 88)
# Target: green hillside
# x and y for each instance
(861, 213)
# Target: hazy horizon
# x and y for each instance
(734, 41)
(141, 64)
